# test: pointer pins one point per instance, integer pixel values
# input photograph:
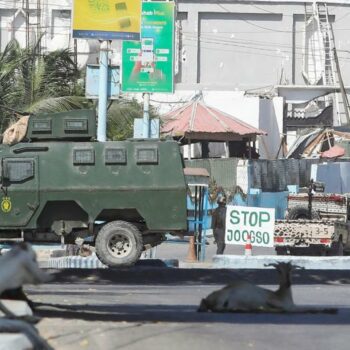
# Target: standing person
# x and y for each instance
(218, 224)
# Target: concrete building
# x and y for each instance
(236, 52)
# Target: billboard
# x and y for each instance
(106, 19)
(148, 64)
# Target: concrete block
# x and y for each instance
(92, 262)
(75, 262)
(57, 253)
(258, 262)
(14, 341)
(18, 307)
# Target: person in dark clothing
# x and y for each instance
(218, 224)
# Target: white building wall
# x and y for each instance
(271, 120)
(227, 49)
(224, 45)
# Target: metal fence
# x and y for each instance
(222, 170)
(276, 175)
(267, 175)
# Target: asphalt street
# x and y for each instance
(171, 250)
(149, 307)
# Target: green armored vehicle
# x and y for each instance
(59, 185)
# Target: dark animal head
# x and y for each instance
(284, 269)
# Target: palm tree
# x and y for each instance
(121, 117)
(35, 83)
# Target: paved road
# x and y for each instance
(155, 308)
(169, 250)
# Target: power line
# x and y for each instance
(252, 48)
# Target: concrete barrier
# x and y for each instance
(92, 262)
(258, 262)
(74, 262)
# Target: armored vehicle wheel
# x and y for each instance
(118, 243)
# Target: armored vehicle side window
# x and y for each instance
(147, 155)
(115, 156)
(75, 125)
(42, 126)
(18, 170)
(83, 156)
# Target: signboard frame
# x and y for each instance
(242, 221)
(148, 66)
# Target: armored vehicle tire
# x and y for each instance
(118, 243)
(300, 213)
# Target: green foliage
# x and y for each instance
(37, 83)
(33, 83)
(59, 104)
(121, 117)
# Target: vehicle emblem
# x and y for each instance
(6, 204)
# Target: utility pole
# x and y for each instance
(75, 57)
(342, 88)
(27, 24)
(38, 24)
(146, 127)
(102, 92)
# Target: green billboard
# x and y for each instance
(147, 66)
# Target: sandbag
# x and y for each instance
(16, 132)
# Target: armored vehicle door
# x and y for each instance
(19, 196)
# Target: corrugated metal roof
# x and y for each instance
(197, 117)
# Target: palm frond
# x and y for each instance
(59, 104)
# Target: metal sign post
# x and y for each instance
(102, 93)
(146, 133)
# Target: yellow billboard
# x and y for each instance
(107, 19)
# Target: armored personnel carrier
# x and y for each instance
(59, 185)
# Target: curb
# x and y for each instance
(258, 262)
(73, 262)
(195, 265)
(92, 262)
